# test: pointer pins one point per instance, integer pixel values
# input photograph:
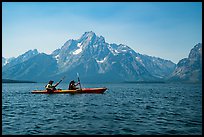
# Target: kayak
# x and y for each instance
(83, 90)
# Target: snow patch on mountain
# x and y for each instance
(79, 50)
(95, 45)
(139, 60)
(57, 57)
(4, 61)
(114, 51)
(102, 61)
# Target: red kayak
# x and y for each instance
(83, 90)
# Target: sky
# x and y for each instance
(168, 30)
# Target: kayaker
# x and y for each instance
(49, 87)
(72, 85)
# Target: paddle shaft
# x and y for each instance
(59, 82)
(79, 81)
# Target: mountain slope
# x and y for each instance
(189, 69)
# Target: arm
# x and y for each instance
(77, 83)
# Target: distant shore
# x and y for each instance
(165, 82)
(16, 81)
(144, 82)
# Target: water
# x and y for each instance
(136, 109)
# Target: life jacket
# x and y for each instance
(48, 86)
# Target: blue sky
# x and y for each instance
(168, 30)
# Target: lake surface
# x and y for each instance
(136, 109)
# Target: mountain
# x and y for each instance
(94, 59)
(189, 69)
(15, 81)
(24, 57)
(37, 68)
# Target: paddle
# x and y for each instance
(79, 81)
(59, 82)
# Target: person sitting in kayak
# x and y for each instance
(72, 85)
(49, 87)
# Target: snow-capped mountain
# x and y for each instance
(93, 57)
(95, 60)
(189, 69)
(22, 58)
(38, 68)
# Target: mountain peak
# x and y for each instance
(196, 51)
(35, 50)
(198, 45)
(88, 35)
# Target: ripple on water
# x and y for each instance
(135, 109)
